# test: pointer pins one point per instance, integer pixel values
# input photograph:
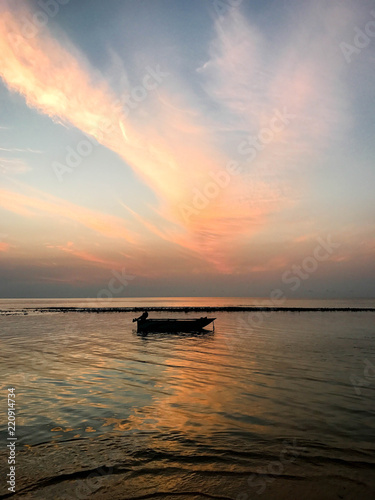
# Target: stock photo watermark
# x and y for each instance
(115, 285)
(222, 7)
(40, 360)
(89, 482)
(33, 24)
(88, 485)
(150, 81)
(251, 146)
(12, 439)
(294, 277)
(300, 272)
(249, 149)
(361, 39)
(264, 476)
(367, 378)
(121, 109)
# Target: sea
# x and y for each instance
(266, 403)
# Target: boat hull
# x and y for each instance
(173, 325)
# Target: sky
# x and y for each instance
(173, 148)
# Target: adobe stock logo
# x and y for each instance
(251, 146)
(115, 286)
(248, 149)
(151, 80)
(361, 40)
(38, 20)
(122, 107)
(310, 264)
(222, 7)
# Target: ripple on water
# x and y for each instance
(188, 412)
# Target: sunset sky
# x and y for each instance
(201, 147)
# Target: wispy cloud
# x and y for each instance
(20, 150)
(36, 203)
(59, 83)
(174, 147)
(249, 78)
(72, 249)
(13, 166)
(170, 153)
(4, 247)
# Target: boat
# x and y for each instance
(145, 325)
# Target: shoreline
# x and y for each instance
(186, 309)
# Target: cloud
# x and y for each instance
(250, 76)
(16, 166)
(251, 80)
(60, 84)
(71, 249)
(20, 150)
(169, 153)
(109, 241)
(4, 247)
(39, 204)
(173, 146)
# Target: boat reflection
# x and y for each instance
(168, 335)
(187, 324)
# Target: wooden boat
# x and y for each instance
(172, 325)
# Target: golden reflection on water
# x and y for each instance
(202, 396)
(192, 384)
(110, 378)
(156, 403)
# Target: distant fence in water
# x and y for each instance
(187, 309)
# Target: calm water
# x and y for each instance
(19, 304)
(276, 407)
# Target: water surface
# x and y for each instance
(275, 407)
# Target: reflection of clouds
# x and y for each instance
(67, 364)
(202, 396)
(117, 424)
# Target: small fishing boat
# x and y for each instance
(145, 325)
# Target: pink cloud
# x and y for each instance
(39, 204)
(174, 149)
(4, 247)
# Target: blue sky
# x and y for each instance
(205, 147)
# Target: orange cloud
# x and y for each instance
(71, 249)
(4, 247)
(168, 144)
(170, 156)
(42, 204)
(58, 83)
(169, 162)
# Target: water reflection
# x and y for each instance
(186, 404)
